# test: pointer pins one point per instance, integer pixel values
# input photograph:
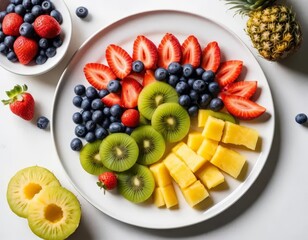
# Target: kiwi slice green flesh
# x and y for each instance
(154, 95)
(25, 185)
(172, 121)
(119, 152)
(151, 144)
(54, 214)
(136, 184)
(90, 158)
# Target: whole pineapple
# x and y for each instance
(272, 28)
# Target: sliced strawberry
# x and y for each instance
(136, 76)
(118, 60)
(111, 99)
(228, 72)
(148, 78)
(145, 50)
(191, 51)
(245, 89)
(98, 75)
(242, 108)
(130, 93)
(169, 50)
(210, 58)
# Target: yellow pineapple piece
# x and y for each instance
(194, 140)
(188, 156)
(169, 196)
(172, 161)
(158, 197)
(203, 114)
(207, 148)
(213, 128)
(161, 175)
(228, 160)
(210, 175)
(195, 193)
(240, 135)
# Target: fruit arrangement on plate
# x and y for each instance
(161, 114)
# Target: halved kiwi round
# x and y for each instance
(154, 95)
(90, 159)
(172, 121)
(118, 152)
(151, 144)
(136, 184)
(25, 185)
(54, 214)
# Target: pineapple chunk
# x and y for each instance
(213, 128)
(158, 197)
(240, 135)
(207, 148)
(228, 160)
(203, 114)
(172, 161)
(195, 193)
(161, 175)
(210, 175)
(169, 196)
(194, 140)
(188, 156)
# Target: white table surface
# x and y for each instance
(275, 207)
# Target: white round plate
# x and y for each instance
(154, 25)
(33, 69)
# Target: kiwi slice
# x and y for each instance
(54, 214)
(151, 144)
(172, 121)
(154, 95)
(26, 184)
(136, 184)
(143, 120)
(90, 159)
(118, 152)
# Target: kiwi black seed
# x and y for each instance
(172, 121)
(151, 144)
(119, 152)
(90, 158)
(154, 95)
(136, 184)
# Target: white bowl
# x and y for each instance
(34, 69)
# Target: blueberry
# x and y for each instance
(97, 104)
(3, 48)
(173, 80)
(76, 144)
(41, 59)
(86, 115)
(114, 86)
(2, 15)
(77, 118)
(56, 15)
(184, 100)
(11, 56)
(42, 52)
(193, 110)
(77, 100)
(98, 116)
(26, 30)
(36, 2)
(214, 88)
(80, 89)
(86, 104)
(91, 92)
(37, 10)
(160, 74)
(2, 36)
(199, 85)
(20, 9)
(29, 18)
(116, 110)
(47, 6)
(9, 41)
(138, 66)
(181, 87)
(100, 133)
(190, 82)
(199, 71)
(116, 127)
(51, 52)
(204, 100)
(10, 8)
(90, 137)
(183, 79)
(188, 70)
(174, 68)
(114, 119)
(106, 111)
(106, 123)
(208, 76)
(57, 42)
(82, 12)
(102, 93)
(42, 122)
(129, 130)
(216, 104)
(27, 4)
(194, 95)
(90, 125)
(80, 130)
(16, 2)
(301, 118)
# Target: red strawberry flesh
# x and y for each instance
(245, 89)
(130, 93)
(211, 57)
(46, 26)
(98, 75)
(228, 72)
(11, 24)
(191, 51)
(25, 49)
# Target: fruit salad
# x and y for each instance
(164, 116)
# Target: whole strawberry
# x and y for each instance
(107, 180)
(11, 24)
(46, 26)
(25, 49)
(21, 102)
(130, 118)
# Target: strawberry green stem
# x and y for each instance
(15, 94)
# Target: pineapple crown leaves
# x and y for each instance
(15, 94)
(245, 7)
